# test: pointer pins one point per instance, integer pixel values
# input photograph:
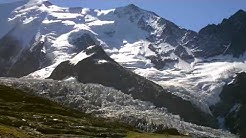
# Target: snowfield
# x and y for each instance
(201, 85)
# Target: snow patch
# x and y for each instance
(235, 108)
(104, 12)
(82, 55)
(102, 61)
(99, 23)
(70, 79)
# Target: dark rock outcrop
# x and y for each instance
(30, 60)
(9, 49)
(182, 53)
(233, 105)
(17, 60)
(82, 42)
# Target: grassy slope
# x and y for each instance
(6, 131)
(152, 135)
(23, 115)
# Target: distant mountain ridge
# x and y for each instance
(228, 37)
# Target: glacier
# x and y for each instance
(110, 103)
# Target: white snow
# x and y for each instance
(104, 12)
(44, 72)
(134, 55)
(70, 79)
(85, 10)
(201, 85)
(90, 47)
(99, 23)
(101, 61)
(82, 55)
(183, 65)
(34, 2)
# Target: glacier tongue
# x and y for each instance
(108, 102)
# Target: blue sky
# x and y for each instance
(190, 14)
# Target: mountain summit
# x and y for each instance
(228, 37)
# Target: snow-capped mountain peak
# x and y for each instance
(36, 36)
(35, 2)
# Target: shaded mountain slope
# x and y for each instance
(228, 37)
(232, 108)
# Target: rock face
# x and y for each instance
(100, 68)
(182, 52)
(82, 42)
(228, 37)
(18, 61)
(233, 105)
